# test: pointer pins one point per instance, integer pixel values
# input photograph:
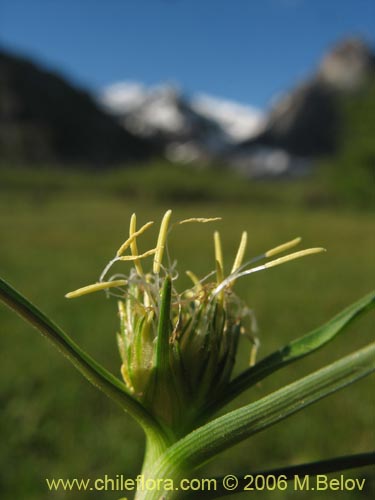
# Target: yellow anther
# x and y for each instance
(195, 280)
(160, 245)
(219, 263)
(283, 247)
(131, 241)
(218, 257)
(95, 288)
(199, 219)
(133, 244)
(240, 253)
(126, 377)
(146, 297)
(135, 258)
(281, 260)
(253, 353)
(121, 310)
(193, 277)
(292, 256)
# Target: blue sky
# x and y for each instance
(246, 50)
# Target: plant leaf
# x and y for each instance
(288, 473)
(293, 351)
(89, 368)
(216, 436)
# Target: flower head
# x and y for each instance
(178, 348)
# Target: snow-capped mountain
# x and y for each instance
(199, 127)
(239, 121)
(300, 126)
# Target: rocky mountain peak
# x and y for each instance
(346, 66)
(304, 122)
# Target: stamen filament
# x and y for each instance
(107, 268)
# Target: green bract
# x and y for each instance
(179, 354)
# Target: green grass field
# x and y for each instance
(58, 232)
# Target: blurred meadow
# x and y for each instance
(58, 231)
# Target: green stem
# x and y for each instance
(154, 452)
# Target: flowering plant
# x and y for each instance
(178, 350)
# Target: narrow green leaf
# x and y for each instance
(216, 436)
(89, 368)
(293, 351)
(311, 469)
